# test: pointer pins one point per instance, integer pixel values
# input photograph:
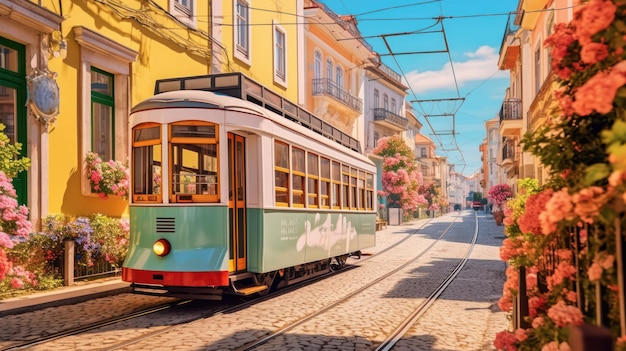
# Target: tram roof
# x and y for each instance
(210, 100)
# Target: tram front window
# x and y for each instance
(146, 168)
(194, 159)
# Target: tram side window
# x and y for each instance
(324, 182)
(313, 179)
(369, 191)
(353, 193)
(146, 167)
(345, 186)
(360, 183)
(336, 193)
(298, 176)
(281, 173)
(194, 159)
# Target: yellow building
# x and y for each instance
(263, 40)
(334, 76)
(103, 56)
(529, 99)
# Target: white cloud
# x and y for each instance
(480, 65)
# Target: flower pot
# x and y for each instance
(499, 217)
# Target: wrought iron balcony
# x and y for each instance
(511, 110)
(390, 119)
(327, 87)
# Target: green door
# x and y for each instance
(12, 104)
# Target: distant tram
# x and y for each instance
(237, 190)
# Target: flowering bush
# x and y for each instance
(96, 237)
(401, 180)
(566, 234)
(498, 194)
(107, 178)
(14, 226)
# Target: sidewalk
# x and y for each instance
(81, 291)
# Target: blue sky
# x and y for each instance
(473, 90)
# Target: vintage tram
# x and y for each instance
(237, 190)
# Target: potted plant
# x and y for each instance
(498, 195)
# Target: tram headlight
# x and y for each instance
(161, 247)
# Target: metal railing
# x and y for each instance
(324, 86)
(380, 114)
(511, 110)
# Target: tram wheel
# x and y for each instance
(265, 279)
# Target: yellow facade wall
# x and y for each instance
(158, 57)
(337, 51)
(263, 16)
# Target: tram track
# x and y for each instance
(409, 322)
(294, 324)
(150, 333)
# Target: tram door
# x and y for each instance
(237, 202)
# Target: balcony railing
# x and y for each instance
(511, 110)
(508, 151)
(380, 114)
(328, 87)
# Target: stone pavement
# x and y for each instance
(66, 295)
(446, 325)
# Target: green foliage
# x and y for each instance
(11, 163)
(112, 238)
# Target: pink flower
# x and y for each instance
(537, 322)
(17, 283)
(588, 202)
(598, 93)
(564, 315)
(505, 340)
(535, 204)
(595, 16)
(521, 334)
(554, 346)
(593, 52)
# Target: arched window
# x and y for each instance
(339, 78)
(317, 66)
(329, 70)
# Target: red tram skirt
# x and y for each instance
(199, 279)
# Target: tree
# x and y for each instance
(400, 178)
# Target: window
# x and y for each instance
(242, 30)
(318, 65)
(376, 98)
(102, 114)
(105, 68)
(549, 32)
(353, 188)
(324, 182)
(393, 105)
(313, 180)
(146, 167)
(336, 190)
(360, 184)
(376, 137)
(537, 70)
(423, 152)
(297, 176)
(386, 102)
(194, 160)
(281, 173)
(329, 69)
(184, 11)
(369, 192)
(280, 55)
(339, 78)
(345, 187)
